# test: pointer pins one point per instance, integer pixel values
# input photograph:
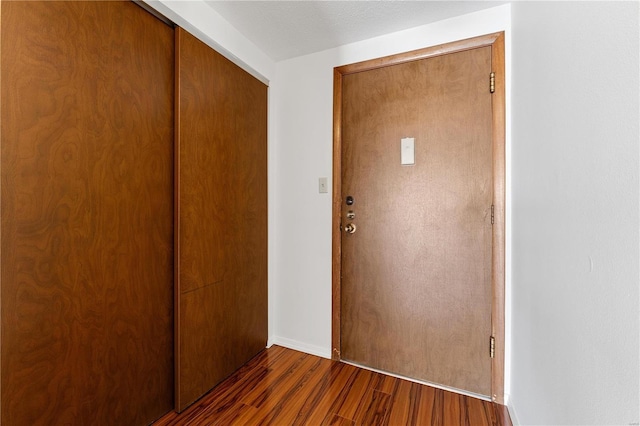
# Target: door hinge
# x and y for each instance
(492, 82)
(493, 216)
(492, 346)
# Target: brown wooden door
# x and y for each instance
(416, 274)
(87, 214)
(221, 200)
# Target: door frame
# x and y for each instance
(496, 42)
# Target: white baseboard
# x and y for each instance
(299, 346)
(512, 412)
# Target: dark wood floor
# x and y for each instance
(285, 387)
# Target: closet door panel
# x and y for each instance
(86, 214)
(221, 246)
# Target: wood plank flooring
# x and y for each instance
(285, 387)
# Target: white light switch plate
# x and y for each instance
(323, 186)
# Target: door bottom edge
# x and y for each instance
(421, 382)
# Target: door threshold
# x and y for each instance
(421, 382)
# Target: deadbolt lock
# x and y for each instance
(351, 215)
(350, 228)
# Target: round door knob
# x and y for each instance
(350, 228)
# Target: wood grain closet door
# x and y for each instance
(87, 214)
(221, 245)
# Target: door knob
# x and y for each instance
(350, 228)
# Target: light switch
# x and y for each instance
(323, 186)
(407, 151)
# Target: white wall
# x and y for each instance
(575, 213)
(301, 108)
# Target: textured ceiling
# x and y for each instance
(286, 29)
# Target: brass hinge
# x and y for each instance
(492, 82)
(493, 216)
(492, 346)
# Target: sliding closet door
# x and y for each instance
(221, 201)
(87, 214)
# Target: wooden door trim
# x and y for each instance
(496, 42)
(177, 288)
(498, 252)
